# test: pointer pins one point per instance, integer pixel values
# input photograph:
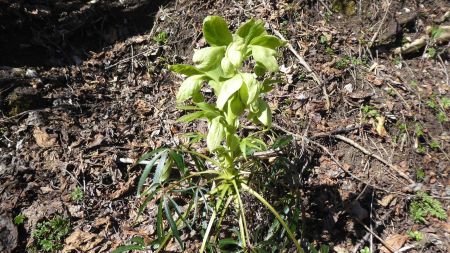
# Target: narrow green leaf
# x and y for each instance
(208, 231)
(146, 171)
(184, 69)
(216, 32)
(147, 155)
(126, 248)
(190, 87)
(157, 178)
(229, 87)
(159, 221)
(208, 58)
(172, 224)
(179, 212)
(190, 117)
(282, 141)
(228, 242)
(269, 41)
(149, 194)
(216, 134)
(179, 162)
(209, 110)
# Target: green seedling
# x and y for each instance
(436, 32)
(365, 250)
(442, 117)
(369, 112)
(342, 63)
(445, 102)
(432, 104)
(77, 194)
(48, 236)
(161, 38)
(402, 127)
(419, 132)
(434, 144)
(420, 174)
(219, 178)
(431, 51)
(323, 40)
(421, 149)
(414, 84)
(415, 235)
(423, 206)
(19, 219)
(391, 92)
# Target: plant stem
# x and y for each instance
(277, 215)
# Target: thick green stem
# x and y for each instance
(277, 215)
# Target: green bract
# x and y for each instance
(221, 67)
(221, 178)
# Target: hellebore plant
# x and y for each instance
(221, 177)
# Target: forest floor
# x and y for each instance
(85, 87)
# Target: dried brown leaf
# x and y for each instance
(395, 242)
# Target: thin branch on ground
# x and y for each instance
(308, 68)
(367, 152)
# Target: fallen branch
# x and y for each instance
(307, 67)
(367, 152)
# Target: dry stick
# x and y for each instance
(381, 24)
(328, 152)
(376, 236)
(307, 67)
(367, 152)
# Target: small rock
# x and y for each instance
(349, 87)
(31, 73)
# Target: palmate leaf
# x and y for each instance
(251, 29)
(268, 41)
(265, 56)
(250, 90)
(235, 53)
(282, 141)
(229, 87)
(208, 58)
(216, 134)
(184, 69)
(216, 32)
(190, 87)
(191, 116)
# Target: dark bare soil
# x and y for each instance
(84, 84)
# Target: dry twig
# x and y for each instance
(367, 152)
